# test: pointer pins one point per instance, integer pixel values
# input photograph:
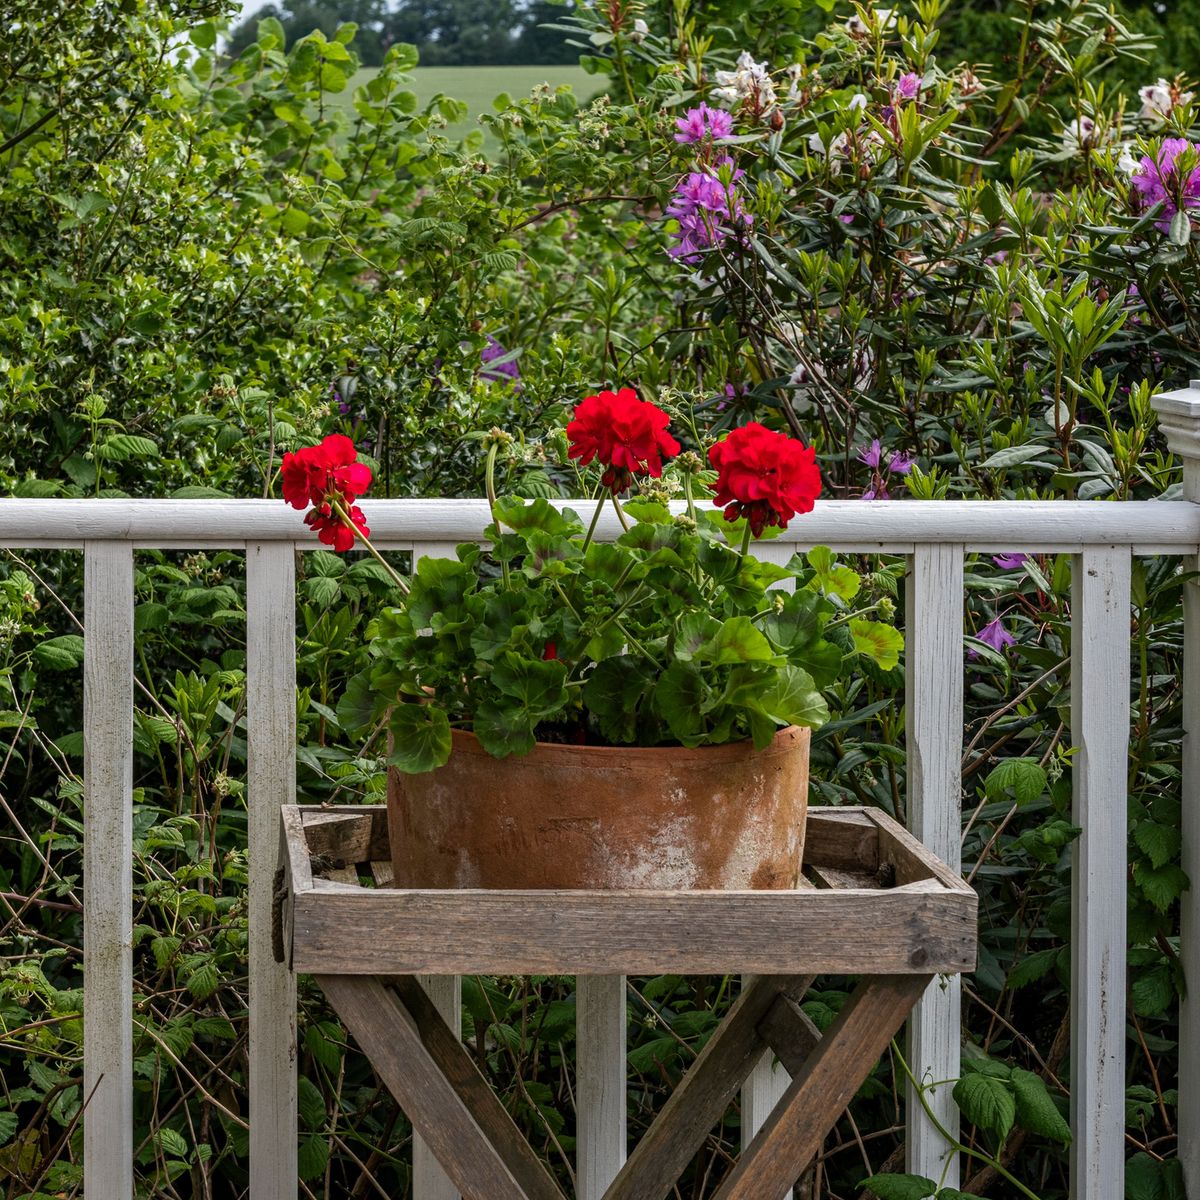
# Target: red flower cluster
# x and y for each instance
(627, 434)
(328, 477)
(764, 476)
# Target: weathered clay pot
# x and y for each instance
(564, 816)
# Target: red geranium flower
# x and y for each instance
(627, 434)
(764, 476)
(328, 478)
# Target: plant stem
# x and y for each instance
(620, 512)
(587, 541)
(746, 540)
(490, 485)
(358, 533)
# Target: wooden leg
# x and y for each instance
(823, 1086)
(703, 1095)
(439, 1088)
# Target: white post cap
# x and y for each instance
(1179, 416)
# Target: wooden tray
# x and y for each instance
(874, 901)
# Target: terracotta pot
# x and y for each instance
(717, 817)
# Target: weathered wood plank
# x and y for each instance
(382, 1028)
(107, 870)
(702, 1096)
(345, 829)
(790, 1033)
(1100, 617)
(843, 838)
(365, 931)
(822, 1089)
(271, 782)
(450, 1057)
(933, 735)
(602, 1134)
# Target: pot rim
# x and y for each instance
(789, 739)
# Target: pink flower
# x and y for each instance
(703, 122)
(1157, 181)
(705, 209)
(908, 86)
(897, 464)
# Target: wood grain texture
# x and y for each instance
(1100, 618)
(702, 1096)
(1179, 417)
(790, 1033)
(989, 526)
(823, 1088)
(600, 1018)
(271, 783)
(107, 871)
(933, 736)
(347, 930)
(390, 1039)
(451, 1058)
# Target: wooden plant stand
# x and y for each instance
(875, 904)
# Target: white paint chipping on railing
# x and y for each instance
(1100, 650)
(933, 705)
(1179, 416)
(270, 782)
(600, 1083)
(108, 871)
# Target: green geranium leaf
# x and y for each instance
(796, 630)
(694, 630)
(678, 698)
(606, 563)
(536, 686)
(986, 1101)
(361, 703)
(614, 693)
(878, 642)
(829, 576)
(503, 730)
(737, 641)
(550, 555)
(420, 738)
(790, 698)
(647, 512)
(527, 515)
(438, 588)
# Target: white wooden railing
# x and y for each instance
(1102, 537)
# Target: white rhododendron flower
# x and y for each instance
(1080, 136)
(1160, 99)
(640, 29)
(748, 81)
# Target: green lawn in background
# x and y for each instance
(477, 87)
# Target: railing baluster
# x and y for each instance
(271, 781)
(601, 1081)
(1100, 617)
(108, 871)
(934, 717)
(430, 1182)
(760, 1093)
(1179, 415)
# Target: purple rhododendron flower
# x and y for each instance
(871, 455)
(1010, 562)
(908, 86)
(897, 463)
(1157, 182)
(704, 208)
(995, 635)
(501, 371)
(703, 121)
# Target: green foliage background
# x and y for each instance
(203, 260)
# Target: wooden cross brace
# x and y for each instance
(468, 1130)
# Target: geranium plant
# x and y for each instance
(674, 633)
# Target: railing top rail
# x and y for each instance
(1146, 526)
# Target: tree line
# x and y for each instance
(446, 32)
